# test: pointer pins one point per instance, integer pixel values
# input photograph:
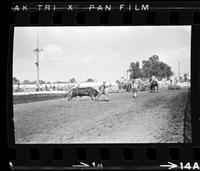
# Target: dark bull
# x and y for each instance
(87, 91)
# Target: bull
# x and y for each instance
(86, 91)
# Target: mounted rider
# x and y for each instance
(153, 83)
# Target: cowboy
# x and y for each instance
(102, 90)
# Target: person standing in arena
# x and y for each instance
(102, 90)
(134, 88)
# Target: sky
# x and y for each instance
(103, 53)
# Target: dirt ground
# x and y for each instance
(150, 118)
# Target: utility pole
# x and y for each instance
(129, 74)
(179, 69)
(37, 50)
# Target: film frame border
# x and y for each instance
(67, 155)
(112, 13)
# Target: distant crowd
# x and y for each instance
(141, 83)
(42, 87)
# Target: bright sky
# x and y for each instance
(101, 53)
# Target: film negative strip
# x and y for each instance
(103, 85)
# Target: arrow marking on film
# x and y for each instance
(81, 165)
(171, 165)
(86, 165)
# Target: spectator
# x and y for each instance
(46, 88)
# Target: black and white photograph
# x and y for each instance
(102, 84)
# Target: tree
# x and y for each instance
(90, 80)
(135, 71)
(154, 58)
(146, 68)
(72, 80)
(59, 82)
(34, 82)
(117, 81)
(15, 81)
(26, 82)
(42, 82)
(153, 66)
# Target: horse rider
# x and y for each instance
(153, 83)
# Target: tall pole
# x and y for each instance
(125, 74)
(179, 69)
(37, 50)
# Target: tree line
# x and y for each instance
(150, 67)
(16, 81)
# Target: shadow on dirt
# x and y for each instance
(102, 100)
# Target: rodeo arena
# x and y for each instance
(124, 111)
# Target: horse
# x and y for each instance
(153, 86)
(124, 86)
(127, 86)
(120, 86)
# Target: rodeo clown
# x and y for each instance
(134, 88)
(102, 90)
